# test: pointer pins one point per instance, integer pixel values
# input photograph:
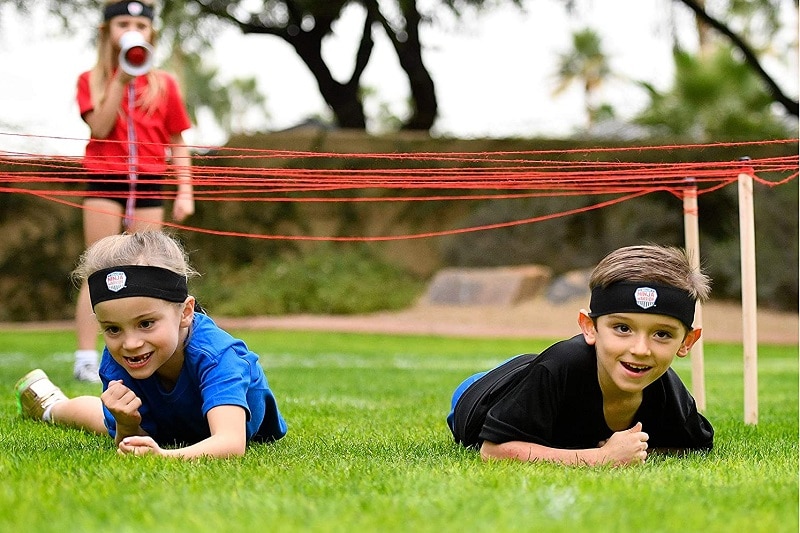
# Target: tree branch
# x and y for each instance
(750, 57)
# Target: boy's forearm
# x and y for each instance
(531, 452)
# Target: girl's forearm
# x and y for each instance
(218, 446)
(123, 432)
(103, 118)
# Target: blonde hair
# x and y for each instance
(107, 62)
(147, 248)
(652, 263)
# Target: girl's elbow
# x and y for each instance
(235, 448)
(238, 450)
(100, 134)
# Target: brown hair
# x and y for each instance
(652, 263)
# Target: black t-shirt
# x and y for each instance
(554, 399)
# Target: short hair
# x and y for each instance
(667, 265)
(150, 248)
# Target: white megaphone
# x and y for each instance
(136, 54)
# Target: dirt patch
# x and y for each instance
(722, 322)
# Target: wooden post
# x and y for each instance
(692, 240)
(749, 303)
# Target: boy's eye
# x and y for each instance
(663, 334)
(146, 324)
(111, 330)
(622, 328)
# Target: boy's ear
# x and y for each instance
(689, 341)
(587, 327)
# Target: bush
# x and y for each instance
(326, 280)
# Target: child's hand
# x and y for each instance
(139, 446)
(123, 77)
(123, 404)
(183, 206)
(626, 447)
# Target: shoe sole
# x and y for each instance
(25, 382)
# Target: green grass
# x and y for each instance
(368, 450)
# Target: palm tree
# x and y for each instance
(586, 63)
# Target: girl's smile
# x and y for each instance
(138, 361)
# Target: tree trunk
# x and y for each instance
(409, 53)
(342, 98)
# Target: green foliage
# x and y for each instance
(716, 98)
(577, 241)
(326, 280)
(587, 64)
(368, 450)
(38, 249)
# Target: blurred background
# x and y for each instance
(418, 76)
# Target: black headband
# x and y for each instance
(128, 7)
(642, 297)
(137, 280)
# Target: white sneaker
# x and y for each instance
(35, 393)
(87, 372)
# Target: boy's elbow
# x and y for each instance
(490, 451)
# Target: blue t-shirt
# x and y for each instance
(217, 370)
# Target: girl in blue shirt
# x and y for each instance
(171, 377)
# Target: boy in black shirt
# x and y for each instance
(605, 396)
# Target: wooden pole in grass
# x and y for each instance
(691, 233)
(749, 303)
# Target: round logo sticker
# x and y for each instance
(645, 297)
(115, 281)
(135, 9)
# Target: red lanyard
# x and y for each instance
(130, 203)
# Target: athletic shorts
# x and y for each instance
(147, 194)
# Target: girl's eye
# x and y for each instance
(146, 324)
(111, 330)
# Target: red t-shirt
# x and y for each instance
(153, 129)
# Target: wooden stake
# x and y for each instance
(749, 303)
(692, 241)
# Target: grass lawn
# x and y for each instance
(368, 450)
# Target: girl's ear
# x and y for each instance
(187, 313)
(587, 327)
(688, 342)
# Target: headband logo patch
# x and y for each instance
(135, 9)
(645, 297)
(115, 281)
